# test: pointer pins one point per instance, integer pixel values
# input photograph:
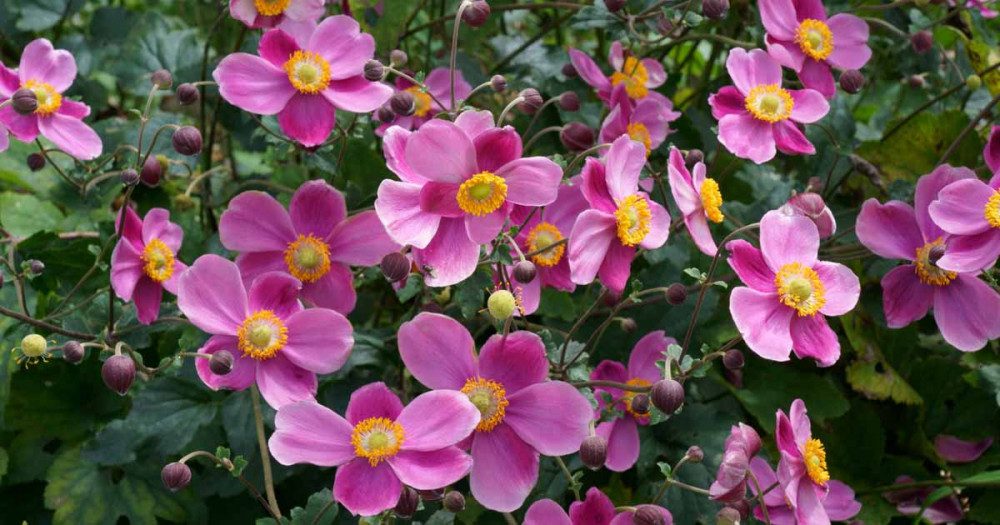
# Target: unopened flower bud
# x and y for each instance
(498, 83)
(973, 82)
(628, 324)
(385, 114)
(36, 161)
(36, 267)
(221, 362)
(72, 352)
(569, 71)
(501, 304)
(476, 13)
(532, 101)
(594, 451)
(374, 70)
(733, 359)
(676, 294)
(647, 515)
(395, 266)
(576, 136)
(431, 495)
(714, 9)
(408, 502)
(615, 5)
(129, 176)
(916, 81)
(525, 271)
(813, 206)
(397, 57)
(569, 101)
(187, 94)
(667, 395)
(693, 156)
(733, 377)
(664, 26)
(922, 41)
(640, 404)
(175, 476)
(403, 103)
(25, 101)
(152, 171)
(727, 516)
(187, 140)
(454, 501)
(695, 454)
(34, 345)
(852, 81)
(118, 373)
(162, 79)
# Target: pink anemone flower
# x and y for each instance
(757, 116)
(991, 152)
(304, 85)
(459, 181)
(523, 413)
(910, 502)
(622, 431)
(698, 198)
(801, 38)
(425, 103)
(638, 76)
(837, 500)
(789, 292)
(145, 262)
(621, 217)
(730, 485)
(269, 13)
(969, 210)
(643, 122)
(48, 72)
(955, 450)
(314, 241)
(982, 5)
(380, 445)
(274, 342)
(964, 306)
(595, 509)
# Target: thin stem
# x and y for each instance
(503, 114)
(509, 518)
(228, 465)
(611, 384)
(454, 48)
(760, 497)
(536, 136)
(972, 125)
(265, 457)
(47, 326)
(929, 483)
(569, 476)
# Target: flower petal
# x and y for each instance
(275, 291)
(763, 321)
(889, 230)
(622, 435)
(904, 298)
(335, 290)
(746, 137)
(841, 285)
(357, 95)
(339, 40)
(617, 267)
(281, 382)
(212, 297)
(373, 400)
(316, 209)
(276, 46)
(595, 509)
(816, 76)
(531, 181)
(319, 340)
(778, 17)
(496, 147)
(595, 186)
(955, 450)
(749, 265)
(253, 84)
(71, 135)
(437, 419)
(43, 63)
(659, 225)
(972, 253)
(398, 207)
(504, 469)
(959, 208)
(751, 69)
(431, 469)
(928, 188)
(366, 490)
(965, 312)
(592, 237)
(244, 368)
(255, 222)
(646, 352)
(850, 35)
(451, 256)
(440, 151)
(623, 165)
(788, 239)
(812, 337)
(727, 101)
(307, 432)
(790, 140)
(546, 512)
(589, 70)
(126, 269)
(308, 119)
(808, 105)
(438, 351)
(553, 417)
(147, 297)
(515, 361)
(361, 240)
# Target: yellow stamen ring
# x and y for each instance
(261, 335)
(308, 72)
(271, 7)
(638, 132)
(992, 210)
(711, 200)
(815, 39)
(635, 76)
(377, 439)
(491, 400)
(815, 459)
(927, 271)
(158, 261)
(633, 218)
(482, 194)
(770, 103)
(49, 100)
(307, 258)
(542, 236)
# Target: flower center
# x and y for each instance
(377, 438)
(638, 132)
(421, 101)
(271, 7)
(542, 236)
(491, 400)
(308, 72)
(261, 335)
(633, 218)
(711, 200)
(49, 100)
(635, 76)
(159, 261)
(815, 457)
(769, 102)
(927, 271)
(800, 288)
(482, 194)
(814, 38)
(629, 395)
(992, 211)
(307, 258)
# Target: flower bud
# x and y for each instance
(397, 57)
(714, 9)
(676, 294)
(151, 172)
(640, 404)
(667, 395)
(813, 206)
(973, 82)
(664, 26)
(615, 5)
(175, 476)
(733, 359)
(693, 156)
(162, 79)
(498, 83)
(525, 271)
(727, 516)
(34, 345)
(852, 81)
(395, 266)
(118, 373)
(431, 495)
(576, 136)
(72, 352)
(569, 101)
(476, 13)
(385, 114)
(569, 71)
(628, 324)
(129, 176)
(221, 362)
(454, 502)
(532, 101)
(402, 103)
(25, 101)
(187, 140)
(407, 504)
(36, 161)
(594, 451)
(36, 267)
(187, 94)
(501, 304)
(922, 41)
(695, 454)
(916, 81)
(374, 70)
(647, 515)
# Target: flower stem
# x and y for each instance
(265, 457)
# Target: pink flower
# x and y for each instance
(642, 121)
(622, 431)
(910, 502)
(272, 339)
(638, 76)
(459, 181)
(836, 501)
(811, 205)
(730, 485)
(801, 38)
(789, 293)
(523, 414)
(758, 115)
(269, 13)
(438, 84)
(982, 5)
(595, 509)
(955, 450)
(48, 72)
(380, 445)
(304, 85)
(991, 152)
(621, 217)
(963, 305)
(698, 198)
(315, 241)
(144, 261)
(969, 210)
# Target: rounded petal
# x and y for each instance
(156, 225)
(319, 340)
(808, 105)
(438, 351)
(889, 230)
(749, 265)
(531, 181)
(617, 267)
(589, 70)
(965, 312)
(451, 256)
(484, 229)
(126, 269)
(244, 11)
(955, 450)
(339, 40)
(790, 140)
(622, 435)
(972, 253)
(778, 17)
(727, 101)
(595, 509)
(253, 84)
(839, 502)
(515, 361)
(307, 432)
(749, 69)
(147, 297)
(441, 198)
(659, 226)
(71, 135)
(850, 35)
(308, 119)
(398, 207)
(275, 291)
(595, 186)
(785, 52)
(211, 295)
(763, 321)
(239, 378)
(928, 188)
(394, 150)
(959, 208)
(316, 209)
(281, 382)
(43, 63)
(646, 352)
(697, 226)
(623, 165)
(366, 490)
(335, 290)
(431, 469)
(496, 147)
(816, 75)
(747, 137)
(357, 95)
(361, 240)
(592, 237)
(473, 122)
(546, 512)
(812, 337)
(788, 239)
(681, 185)
(504, 469)
(437, 419)
(255, 222)
(440, 151)
(23, 127)
(904, 298)
(841, 286)
(254, 264)
(553, 417)
(276, 46)
(657, 76)
(373, 400)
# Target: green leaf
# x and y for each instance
(319, 510)
(414, 285)
(761, 398)
(22, 215)
(916, 147)
(43, 14)
(469, 293)
(385, 27)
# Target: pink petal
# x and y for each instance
(147, 297)
(646, 352)
(431, 469)
(850, 36)
(841, 286)
(255, 264)
(317, 208)
(589, 70)
(955, 450)
(960, 205)
(71, 135)
(785, 52)
(335, 290)
(595, 186)
(622, 435)
(681, 186)
(727, 101)
(889, 230)
(277, 46)
(308, 119)
(531, 181)
(72, 108)
(515, 361)
(474, 122)
(451, 256)
(809, 9)
(778, 17)
(319, 340)
(504, 469)
(616, 55)
(763, 321)
(904, 298)
(659, 225)
(282, 382)
(751, 69)
(972, 253)
(244, 11)
(304, 10)
(839, 502)
(609, 371)
(991, 152)
(595, 509)
(440, 151)
(9, 83)
(496, 147)
(366, 490)
(790, 140)
(361, 240)
(553, 417)
(307, 432)
(253, 84)
(339, 41)
(438, 351)
(255, 222)
(357, 95)
(809, 508)
(126, 269)
(277, 292)
(623, 164)
(23, 127)
(746, 137)
(928, 188)
(42, 63)
(808, 105)
(156, 225)
(749, 265)
(485, 228)
(617, 266)
(373, 400)
(239, 378)
(812, 337)
(212, 297)
(546, 512)
(697, 226)
(398, 207)
(657, 76)
(965, 312)
(437, 419)
(816, 75)
(441, 198)
(394, 149)
(786, 239)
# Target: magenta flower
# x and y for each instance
(144, 261)
(644, 121)
(380, 445)
(274, 342)
(698, 198)
(813, 206)
(758, 115)
(622, 431)
(48, 73)
(789, 293)
(523, 414)
(982, 5)
(595, 509)
(730, 485)
(304, 85)
(969, 210)
(269, 13)
(801, 38)
(314, 241)
(910, 502)
(836, 501)
(459, 181)
(963, 305)
(425, 106)
(991, 152)
(955, 450)
(639, 76)
(621, 217)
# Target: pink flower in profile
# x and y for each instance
(756, 115)
(425, 103)
(969, 210)
(789, 292)
(595, 509)
(813, 206)
(699, 199)
(459, 181)
(144, 261)
(730, 485)
(622, 431)
(955, 450)
(910, 502)
(982, 5)
(523, 413)
(314, 241)
(274, 342)
(638, 76)
(621, 217)
(304, 85)
(380, 445)
(963, 305)
(269, 13)
(836, 501)
(801, 38)
(48, 72)
(643, 121)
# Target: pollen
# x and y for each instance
(307, 258)
(927, 271)
(308, 72)
(158, 261)
(491, 400)
(542, 236)
(421, 101)
(770, 103)
(814, 38)
(629, 395)
(49, 100)
(992, 210)
(633, 218)
(638, 132)
(800, 288)
(711, 200)
(271, 7)
(261, 335)
(482, 194)
(815, 459)
(377, 439)
(635, 76)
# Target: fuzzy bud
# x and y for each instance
(647, 515)
(664, 26)
(501, 304)
(676, 294)
(695, 454)
(916, 81)
(576, 136)
(640, 403)
(431, 495)
(385, 114)
(569, 71)
(25, 101)
(594, 451)
(733, 359)
(129, 176)
(36, 161)
(408, 502)
(395, 266)
(187, 140)
(615, 5)
(402, 103)
(34, 345)
(727, 516)
(973, 82)
(72, 352)
(397, 57)
(476, 13)
(628, 324)
(714, 9)
(525, 271)
(162, 79)
(151, 172)
(667, 395)
(187, 94)
(454, 502)
(569, 101)
(693, 156)
(498, 83)
(852, 81)
(221, 362)
(175, 476)
(36, 267)
(532, 101)
(922, 41)
(118, 373)
(374, 71)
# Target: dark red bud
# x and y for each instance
(676, 294)
(569, 101)
(403, 103)
(187, 94)
(118, 373)
(221, 362)
(162, 79)
(498, 83)
(569, 71)
(175, 476)
(532, 101)
(397, 57)
(408, 502)
(695, 454)
(72, 352)
(129, 176)
(36, 161)
(374, 70)
(476, 13)
(922, 41)
(852, 81)
(667, 395)
(395, 266)
(615, 5)
(594, 451)
(187, 140)
(714, 9)
(576, 136)
(25, 101)
(151, 172)
(647, 515)
(525, 271)
(733, 359)
(454, 501)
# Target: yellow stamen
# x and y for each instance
(638, 132)
(377, 439)
(271, 7)
(421, 101)
(307, 258)
(542, 236)
(992, 211)
(711, 200)
(49, 100)
(491, 400)
(629, 395)
(800, 288)
(815, 458)
(635, 76)
(815, 39)
(927, 271)
(633, 218)
(158, 261)
(261, 335)
(482, 194)
(308, 72)
(769, 102)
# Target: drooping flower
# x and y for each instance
(910, 502)
(425, 103)
(458, 183)
(789, 292)
(969, 210)
(955, 450)
(144, 261)
(756, 115)
(812, 205)
(595, 509)
(730, 485)
(698, 198)
(621, 217)
(622, 430)
(523, 414)
(269, 13)
(836, 500)
(274, 342)
(314, 241)
(380, 445)
(639, 76)
(963, 304)
(304, 85)
(801, 38)
(642, 121)
(48, 72)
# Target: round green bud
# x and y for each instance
(973, 82)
